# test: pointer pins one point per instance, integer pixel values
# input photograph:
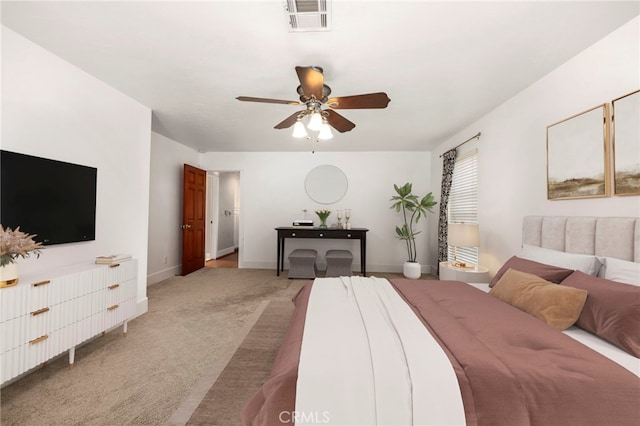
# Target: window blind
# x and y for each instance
(463, 201)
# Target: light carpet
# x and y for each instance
(143, 378)
(247, 370)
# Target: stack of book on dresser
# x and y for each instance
(114, 258)
(303, 223)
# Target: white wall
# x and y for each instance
(54, 110)
(165, 200)
(272, 194)
(512, 149)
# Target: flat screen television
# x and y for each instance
(52, 199)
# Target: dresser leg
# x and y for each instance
(124, 328)
(72, 357)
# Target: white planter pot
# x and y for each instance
(411, 270)
(8, 275)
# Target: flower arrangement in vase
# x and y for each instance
(14, 244)
(323, 215)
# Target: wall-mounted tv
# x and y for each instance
(52, 199)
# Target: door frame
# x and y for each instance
(213, 192)
(211, 243)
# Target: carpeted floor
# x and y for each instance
(143, 378)
(247, 370)
(172, 360)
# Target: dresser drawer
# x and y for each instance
(319, 233)
(117, 293)
(78, 284)
(116, 273)
(19, 331)
(29, 355)
(118, 313)
(26, 298)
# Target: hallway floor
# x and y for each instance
(228, 261)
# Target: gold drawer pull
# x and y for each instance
(39, 283)
(115, 265)
(113, 287)
(111, 308)
(38, 339)
(8, 283)
(39, 311)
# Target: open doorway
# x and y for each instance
(223, 219)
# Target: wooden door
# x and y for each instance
(193, 218)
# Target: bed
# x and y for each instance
(554, 339)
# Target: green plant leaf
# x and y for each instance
(413, 208)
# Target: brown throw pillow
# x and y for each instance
(559, 306)
(612, 310)
(551, 273)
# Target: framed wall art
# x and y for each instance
(578, 156)
(625, 118)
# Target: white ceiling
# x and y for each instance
(443, 64)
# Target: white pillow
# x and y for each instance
(622, 271)
(586, 263)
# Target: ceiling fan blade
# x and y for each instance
(371, 100)
(337, 121)
(267, 100)
(311, 81)
(289, 121)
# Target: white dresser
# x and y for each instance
(44, 316)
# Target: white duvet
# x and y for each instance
(366, 359)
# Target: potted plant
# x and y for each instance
(323, 215)
(14, 244)
(412, 208)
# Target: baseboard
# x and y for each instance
(225, 252)
(257, 265)
(156, 277)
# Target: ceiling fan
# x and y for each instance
(314, 94)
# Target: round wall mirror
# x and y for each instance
(326, 184)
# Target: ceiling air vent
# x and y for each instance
(308, 15)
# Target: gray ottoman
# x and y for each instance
(302, 263)
(339, 263)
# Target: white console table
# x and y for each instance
(44, 316)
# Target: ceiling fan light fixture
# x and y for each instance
(298, 130)
(315, 122)
(325, 131)
(314, 95)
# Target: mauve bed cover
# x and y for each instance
(512, 368)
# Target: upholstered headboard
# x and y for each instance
(617, 237)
